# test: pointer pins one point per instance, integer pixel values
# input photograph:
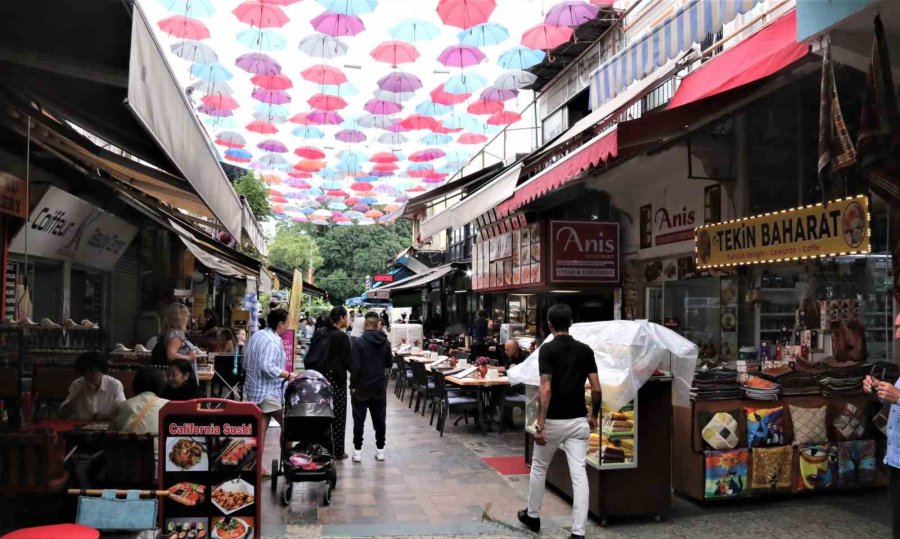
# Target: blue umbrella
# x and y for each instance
(413, 30)
(266, 39)
(221, 123)
(436, 139)
(483, 35)
(211, 88)
(352, 155)
(465, 84)
(348, 167)
(461, 121)
(334, 184)
(308, 131)
(331, 174)
(520, 57)
(368, 200)
(238, 153)
(430, 108)
(396, 97)
(194, 51)
(197, 9)
(349, 7)
(420, 166)
(211, 72)
(347, 89)
(459, 155)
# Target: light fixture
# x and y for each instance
(564, 291)
(469, 273)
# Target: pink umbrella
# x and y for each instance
(430, 154)
(212, 111)
(416, 189)
(272, 97)
(420, 173)
(337, 193)
(485, 107)
(302, 118)
(260, 15)
(258, 63)
(465, 13)
(383, 107)
(544, 36)
(309, 152)
(219, 101)
(399, 81)
(338, 24)
(273, 81)
(265, 128)
(278, 2)
(326, 102)
(460, 56)
(498, 94)
(298, 183)
(184, 27)
(299, 219)
(383, 157)
(350, 135)
(396, 127)
(571, 13)
(395, 52)
(362, 186)
(442, 97)
(419, 121)
(471, 138)
(299, 174)
(272, 145)
(323, 74)
(444, 130)
(435, 178)
(324, 117)
(504, 117)
(385, 167)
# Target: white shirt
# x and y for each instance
(88, 403)
(128, 410)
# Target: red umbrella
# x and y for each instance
(326, 102)
(385, 167)
(184, 27)
(419, 121)
(383, 157)
(337, 193)
(504, 117)
(395, 52)
(302, 118)
(219, 101)
(465, 13)
(259, 126)
(544, 36)
(485, 107)
(309, 152)
(323, 74)
(309, 165)
(443, 130)
(471, 138)
(442, 97)
(300, 174)
(278, 2)
(260, 15)
(362, 186)
(274, 81)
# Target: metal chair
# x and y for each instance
(422, 387)
(448, 403)
(511, 400)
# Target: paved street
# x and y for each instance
(440, 488)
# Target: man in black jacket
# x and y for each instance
(369, 361)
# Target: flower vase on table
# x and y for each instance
(482, 363)
(482, 371)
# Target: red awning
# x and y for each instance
(562, 172)
(763, 54)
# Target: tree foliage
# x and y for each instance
(254, 190)
(293, 247)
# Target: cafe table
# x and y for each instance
(483, 386)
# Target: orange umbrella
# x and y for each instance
(309, 165)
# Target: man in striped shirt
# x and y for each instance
(264, 363)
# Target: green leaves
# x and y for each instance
(254, 190)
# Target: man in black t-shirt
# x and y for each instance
(563, 420)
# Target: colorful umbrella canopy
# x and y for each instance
(375, 120)
(322, 46)
(443, 97)
(326, 102)
(211, 72)
(265, 128)
(465, 13)
(399, 81)
(504, 117)
(497, 94)
(471, 138)
(272, 97)
(261, 15)
(484, 35)
(383, 157)
(350, 135)
(272, 145)
(191, 8)
(184, 27)
(520, 57)
(544, 36)
(514, 80)
(338, 24)
(392, 138)
(460, 56)
(231, 139)
(324, 74)
(308, 132)
(382, 106)
(571, 13)
(324, 117)
(426, 155)
(272, 81)
(309, 152)
(309, 165)
(349, 7)
(436, 139)
(220, 102)
(258, 63)
(484, 107)
(238, 155)
(395, 53)
(396, 97)
(194, 51)
(413, 30)
(418, 121)
(464, 83)
(262, 39)
(210, 87)
(361, 186)
(430, 108)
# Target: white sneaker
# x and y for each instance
(379, 454)
(357, 455)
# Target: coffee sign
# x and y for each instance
(585, 252)
(836, 228)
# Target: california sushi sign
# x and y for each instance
(836, 228)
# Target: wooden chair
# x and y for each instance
(9, 383)
(31, 463)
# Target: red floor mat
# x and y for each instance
(508, 465)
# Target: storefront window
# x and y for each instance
(691, 307)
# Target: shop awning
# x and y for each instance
(410, 283)
(761, 55)
(470, 208)
(219, 265)
(592, 153)
(286, 280)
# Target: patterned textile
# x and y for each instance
(879, 122)
(726, 473)
(851, 422)
(836, 150)
(809, 425)
(263, 363)
(720, 430)
(338, 429)
(818, 467)
(765, 426)
(856, 463)
(892, 457)
(772, 468)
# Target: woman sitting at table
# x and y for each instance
(95, 394)
(223, 343)
(140, 414)
(182, 385)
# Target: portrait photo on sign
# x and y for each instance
(854, 224)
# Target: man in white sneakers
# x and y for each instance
(370, 360)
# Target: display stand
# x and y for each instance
(208, 461)
(627, 490)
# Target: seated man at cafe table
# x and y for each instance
(95, 394)
(514, 353)
(140, 414)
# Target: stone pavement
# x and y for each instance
(439, 488)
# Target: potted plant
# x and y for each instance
(482, 363)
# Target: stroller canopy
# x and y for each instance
(309, 395)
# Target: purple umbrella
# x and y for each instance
(350, 135)
(272, 145)
(385, 189)
(396, 127)
(359, 206)
(338, 24)
(460, 56)
(272, 97)
(399, 81)
(295, 195)
(324, 117)
(571, 13)
(492, 93)
(426, 155)
(380, 106)
(380, 173)
(211, 111)
(258, 64)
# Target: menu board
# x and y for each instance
(289, 343)
(208, 461)
(510, 259)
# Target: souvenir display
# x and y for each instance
(818, 466)
(765, 426)
(726, 473)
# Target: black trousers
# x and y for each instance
(894, 493)
(376, 406)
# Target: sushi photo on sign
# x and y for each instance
(234, 454)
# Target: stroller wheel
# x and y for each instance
(274, 477)
(286, 494)
(326, 496)
(332, 478)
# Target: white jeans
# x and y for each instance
(572, 435)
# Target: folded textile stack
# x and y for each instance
(612, 455)
(802, 365)
(836, 383)
(799, 384)
(616, 450)
(760, 389)
(715, 384)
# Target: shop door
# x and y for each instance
(654, 304)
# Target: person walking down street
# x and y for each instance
(385, 321)
(890, 394)
(370, 360)
(264, 363)
(337, 363)
(479, 335)
(562, 419)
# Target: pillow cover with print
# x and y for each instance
(809, 425)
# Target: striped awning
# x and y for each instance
(689, 24)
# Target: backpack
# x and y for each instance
(316, 358)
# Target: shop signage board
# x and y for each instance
(296, 299)
(836, 228)
(208, 461)
(289, 343)
(13, 196)
(668, 212)
(383, 278)
(509, 259)
(64, 227)
(585, 252)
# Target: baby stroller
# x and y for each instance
(308, 416)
